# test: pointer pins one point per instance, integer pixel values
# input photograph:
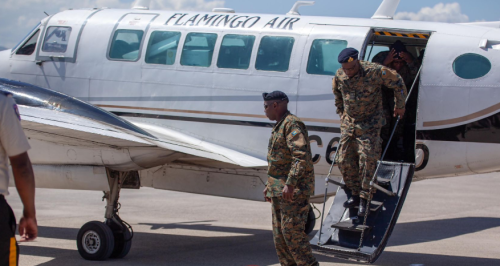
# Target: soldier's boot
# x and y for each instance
(362, 207)
(352, 202)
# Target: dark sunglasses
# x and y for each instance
(277, 101)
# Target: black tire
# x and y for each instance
(123, 243)
(95, 241)
(311, 221)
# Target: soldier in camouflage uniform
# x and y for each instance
(290, 182)
(358, 98)
(399, 59)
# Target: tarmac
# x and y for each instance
(445, 221)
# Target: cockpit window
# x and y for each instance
(29, 46)
(126, 45)
(29, 34)
(471, 66)
(56, 39)
(274, 53)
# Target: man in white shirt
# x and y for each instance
(14, 145)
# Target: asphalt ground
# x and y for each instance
(446, 221)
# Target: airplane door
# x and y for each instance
(315, 98)
(60, 36)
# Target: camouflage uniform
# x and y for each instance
(290, 162)
(360, 99)
(408, 73)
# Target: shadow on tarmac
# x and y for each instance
(256, 247)
(434, 230)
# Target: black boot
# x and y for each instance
(362, 207)
(352, 202)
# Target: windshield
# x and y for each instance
(27, 35)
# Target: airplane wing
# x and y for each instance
(53, 120)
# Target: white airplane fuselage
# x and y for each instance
(457, 117)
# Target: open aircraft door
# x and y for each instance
(342, 233)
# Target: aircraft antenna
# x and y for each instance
(386, 10)
(295, 9)
(141, 4)
(46, 14)
(223, 10)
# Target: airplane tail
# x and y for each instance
(386, 10)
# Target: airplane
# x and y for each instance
(121, 99)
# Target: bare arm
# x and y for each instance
(25, 184)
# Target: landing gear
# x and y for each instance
(95, 241)
(123, 234)
(112, 238)
(311, 221)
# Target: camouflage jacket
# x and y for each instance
(289, 158)
(408, 72)
(360, 97)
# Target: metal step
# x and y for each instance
(350, 226)
(383, 181)
(374, 206)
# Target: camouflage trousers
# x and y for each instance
(290, 240)
(357, 159)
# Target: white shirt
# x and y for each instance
(12, 139)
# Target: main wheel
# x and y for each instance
(95, 241)
(123, 241)
(311, 221)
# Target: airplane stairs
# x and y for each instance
(345, 235)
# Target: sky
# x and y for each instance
(18, 17)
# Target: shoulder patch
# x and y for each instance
(16, 110)
(294, 133)
(383, 73)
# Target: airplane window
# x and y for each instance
(378, 53)
(29, 47)
(126, 45)
(198, 49)
(162, 47)
(56, 39)
(323, 57)
(235, 51)
(274, 53)
(471, 66)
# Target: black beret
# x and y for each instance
(348, 55)
(275, 95)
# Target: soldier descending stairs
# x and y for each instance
(369, 201)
